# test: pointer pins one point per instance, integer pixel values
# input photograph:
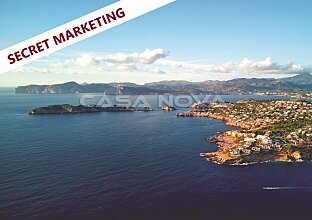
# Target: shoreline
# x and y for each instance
(247, 146)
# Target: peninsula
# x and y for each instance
(274, 130)
(69, 109)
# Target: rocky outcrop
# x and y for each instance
(69, 109)
(296, 155)
(168, 108)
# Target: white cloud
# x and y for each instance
(147, 57)
(87, 60)
(245, 67)
(154, 62)
(133, 62)
(267, 66)
(126, 67)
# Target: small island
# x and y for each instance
(273, 130)
(70, 109)
(168, 108)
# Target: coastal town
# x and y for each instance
(297, 95)
(272, 130)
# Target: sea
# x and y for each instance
(133, 165)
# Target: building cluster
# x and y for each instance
(298, 95)
(251, 143)
(271, 125)
(254, 114)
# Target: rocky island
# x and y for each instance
(69, 109)
(168, 108)
(274, 130)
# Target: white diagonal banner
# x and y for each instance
(75, 31)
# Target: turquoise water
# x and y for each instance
(132, 166)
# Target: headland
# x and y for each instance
(273, 130)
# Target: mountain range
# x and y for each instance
(301, 82)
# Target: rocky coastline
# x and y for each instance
(259, 140)
(229, 121)
(225, 143)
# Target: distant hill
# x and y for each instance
(301, 79)
(73, 87)
(69, 87)
(300, 82)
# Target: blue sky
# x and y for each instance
(190, 40)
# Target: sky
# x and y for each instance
(186, 40)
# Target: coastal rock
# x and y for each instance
(168, 108)
(296, 155)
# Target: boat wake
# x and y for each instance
(286, 187)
